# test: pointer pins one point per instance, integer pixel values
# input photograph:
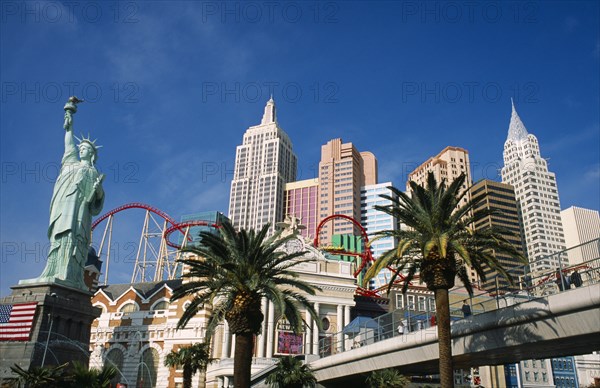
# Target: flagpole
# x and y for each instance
(53, 295)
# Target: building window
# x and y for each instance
(115, 358)
(325, 324)
(162, 305)
(129, 308)
(148, 369)
(431, 304)
(399, 301)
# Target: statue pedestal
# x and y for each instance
(71, 314)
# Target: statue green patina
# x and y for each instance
(77, 196)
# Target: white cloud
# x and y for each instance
(571, 139)
(593, 173)
(570, 25)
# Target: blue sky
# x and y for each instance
(172, 86)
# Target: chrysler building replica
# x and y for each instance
(537, 197)
(264, 163)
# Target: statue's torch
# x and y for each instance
(70, 109)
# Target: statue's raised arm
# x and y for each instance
(70, 155)
(77, 196)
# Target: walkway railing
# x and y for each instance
(528, 285)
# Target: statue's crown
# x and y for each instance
(89, 141)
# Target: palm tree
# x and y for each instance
(192, 358)
(233, 272)
(291, 373)
(387, 378)
(439, 244)
(81, 376)
(39, 377)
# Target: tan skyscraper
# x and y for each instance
(448, 165)
(343, 170)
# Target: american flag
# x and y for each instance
(16, 321)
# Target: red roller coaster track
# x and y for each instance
(167, 233)
(366, 256)
(170, 225)
(185, 224)
(133, 205)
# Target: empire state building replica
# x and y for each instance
(264, 163)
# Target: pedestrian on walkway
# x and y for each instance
(576, 279)
(401, 328)
(561, 280)
(466, 309)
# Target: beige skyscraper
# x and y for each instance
(448, 165)
(343, 170)
(580, 227)
(264, 163)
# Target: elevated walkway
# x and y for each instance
(566, 323)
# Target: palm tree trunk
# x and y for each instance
(442, 307)
(202, 378)
(242, 360)
(187, 376)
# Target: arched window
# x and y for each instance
(147, 369)
(162, 305)
(103, 307)
(129, 308)
(115, 357)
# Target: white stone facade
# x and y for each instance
(537, 197)
(588, 369)
(333, 304)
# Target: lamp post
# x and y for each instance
(53, 295)
(408, 328)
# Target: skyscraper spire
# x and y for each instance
(269, 116)
(516, 129)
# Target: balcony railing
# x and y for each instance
(527, 286)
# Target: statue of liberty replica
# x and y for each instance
(59, 299)
(77, 196)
